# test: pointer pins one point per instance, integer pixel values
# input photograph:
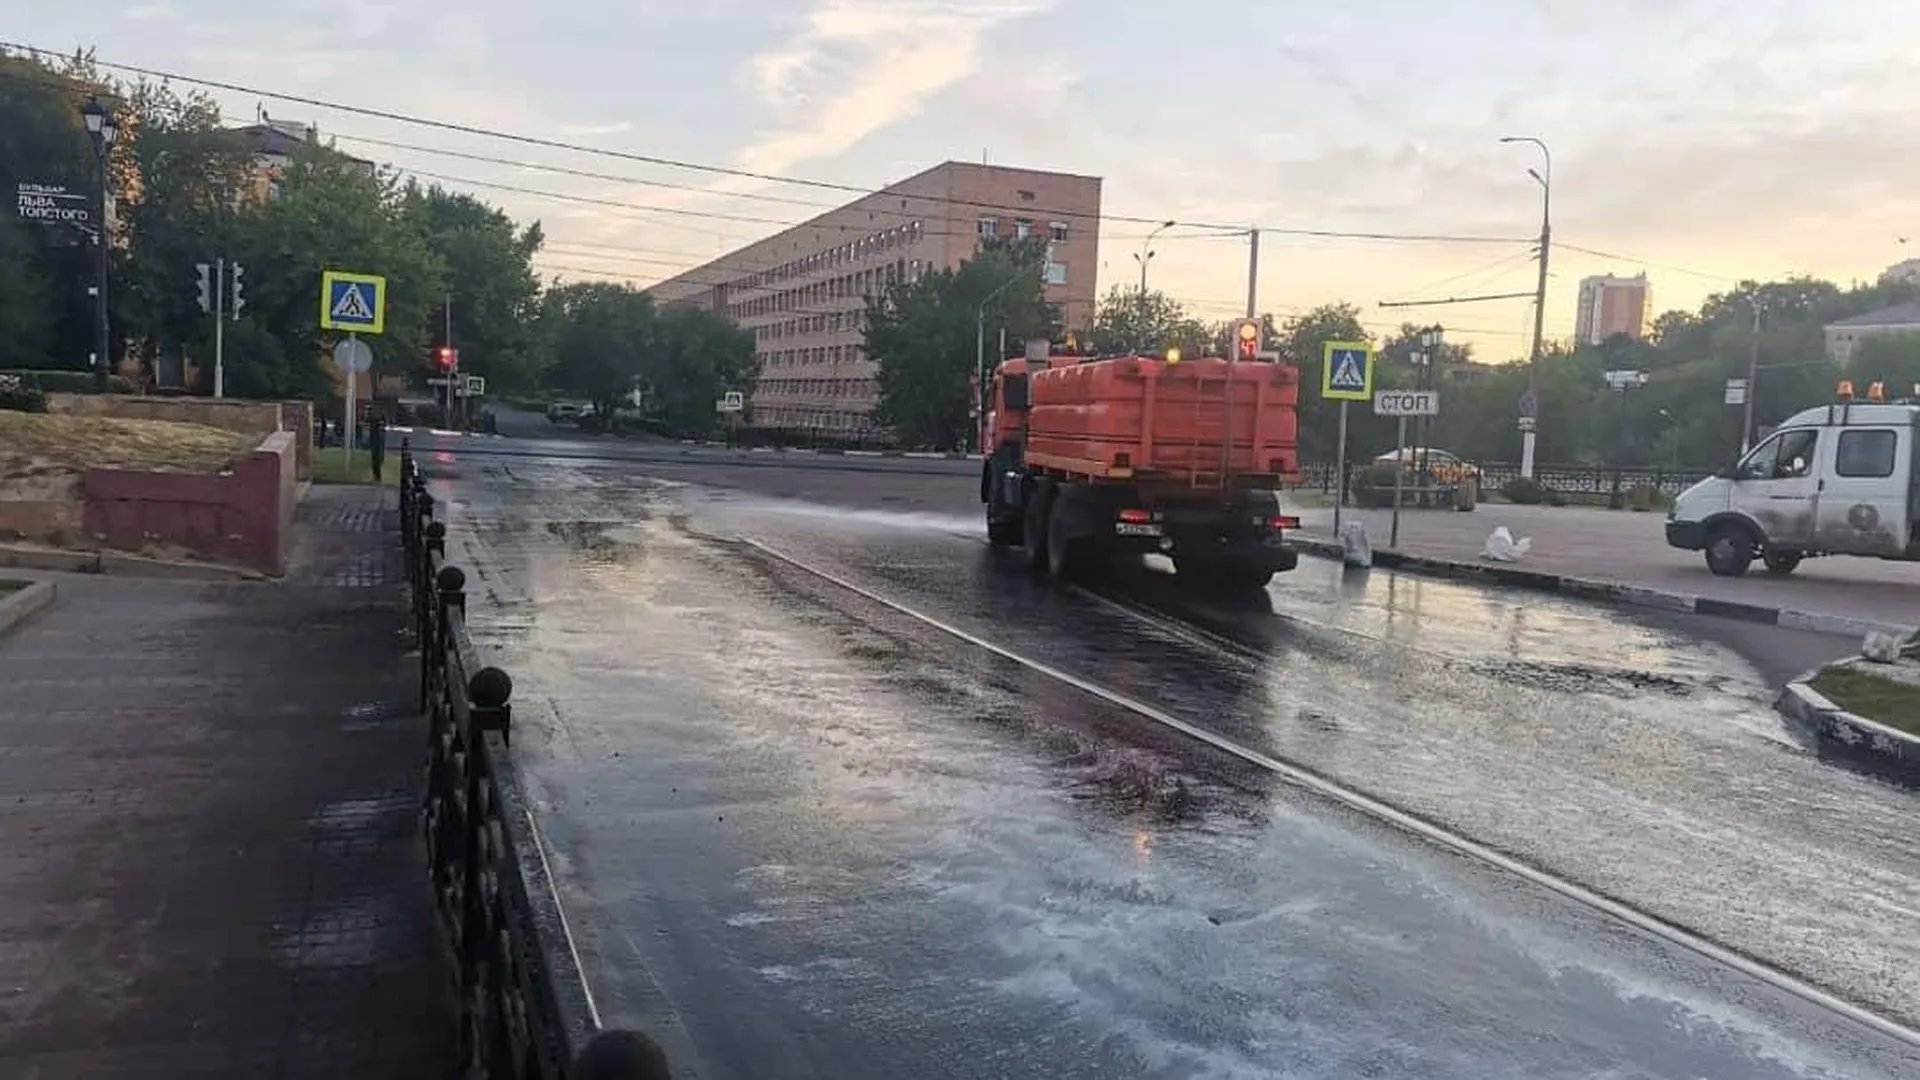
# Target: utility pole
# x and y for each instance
(1143, 257)
(1253, 273)
(1545, 180)
(1753, 373)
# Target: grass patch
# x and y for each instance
(330, 467)
(56, 441)
(1876, 697)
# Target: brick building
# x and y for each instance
(801, 290)
(1612, 305)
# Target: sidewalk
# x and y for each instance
(1629, 551)
(210, 861)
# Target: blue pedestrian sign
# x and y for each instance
(355, 303)
(1346, 371)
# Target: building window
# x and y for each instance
(1056, 273)
(989, 226)
(1022, 228)
(1057, 231)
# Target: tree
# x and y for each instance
(493, 291)
(697, 356)
(922, 335)
(187, 209)
(599, 336)
(333, 214)
(1128, 320)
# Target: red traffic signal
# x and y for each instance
(447, 357)
(1246, 339)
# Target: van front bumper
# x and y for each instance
(1687, 535)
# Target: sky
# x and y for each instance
(1700, 141)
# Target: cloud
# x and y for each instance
(580, 131)
(860, 66)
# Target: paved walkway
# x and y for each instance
(1631, 548)
(209, 857)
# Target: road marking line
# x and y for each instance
(1645, 922)
(566, 928)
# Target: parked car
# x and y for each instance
(1446, 468)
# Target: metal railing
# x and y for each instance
(525, 1009)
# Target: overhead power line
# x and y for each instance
(715, 170)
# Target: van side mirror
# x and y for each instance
(1013, 391)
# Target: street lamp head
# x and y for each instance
(95, 114)
(1168, 224)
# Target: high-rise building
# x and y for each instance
(801, 291)
(1612, 305)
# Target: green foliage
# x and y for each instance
(18, 394)
(65, 381)
(599, 335)
(1130, 321)
(495, 295)
(1524, 491)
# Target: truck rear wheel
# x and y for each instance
(1033, 532)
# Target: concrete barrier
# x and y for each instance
(227, 414)
(244, 515)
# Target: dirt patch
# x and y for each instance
(44, 459)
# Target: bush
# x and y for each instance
(68, 381)
(1373, 486)
(1524, 491)
(19, 395)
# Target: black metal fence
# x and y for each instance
(525, 1010)
(1567, 479)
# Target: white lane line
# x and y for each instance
(566, 928)
(1426, 830)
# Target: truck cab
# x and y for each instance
(1839, 479)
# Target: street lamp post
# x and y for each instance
(1544, 177)
(101, 131)
(1143, 257)
(1620, 381)
(1431, 340)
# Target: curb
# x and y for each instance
(20, 603)
(1819, 717)
(115, 562)
(1608, 591)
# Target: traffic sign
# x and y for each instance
(353, 355)
(476, 386)
(1736, 392)
(1530, 404)
(1346, 371)
(733, 401)
(1406, 403)
(356, 303)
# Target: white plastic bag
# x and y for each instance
(1502, 547)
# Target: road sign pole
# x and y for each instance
(352, 396)
(1340, 470)
(1399, 479)
(220, 327)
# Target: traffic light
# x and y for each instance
(447, 357)
(206, 286)
(1246, 339)
(239, 297)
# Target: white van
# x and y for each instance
(1841, 479)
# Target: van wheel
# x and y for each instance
(1730, 550)
(1780, 563)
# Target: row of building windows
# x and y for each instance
(861, 389)
(1023, 228)
(857, 285)
(832, 322)
(818, 354)
(805, 419)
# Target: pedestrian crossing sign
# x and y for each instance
(1346, 371)
(356, 303)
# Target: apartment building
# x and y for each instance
(801, 292)
(1612, 305)
(274, 142)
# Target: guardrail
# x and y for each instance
(525, 1009)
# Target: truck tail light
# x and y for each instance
(1283, 521)
(1136, 516)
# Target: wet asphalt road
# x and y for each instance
(838, 843)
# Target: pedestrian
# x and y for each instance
(376, 445)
